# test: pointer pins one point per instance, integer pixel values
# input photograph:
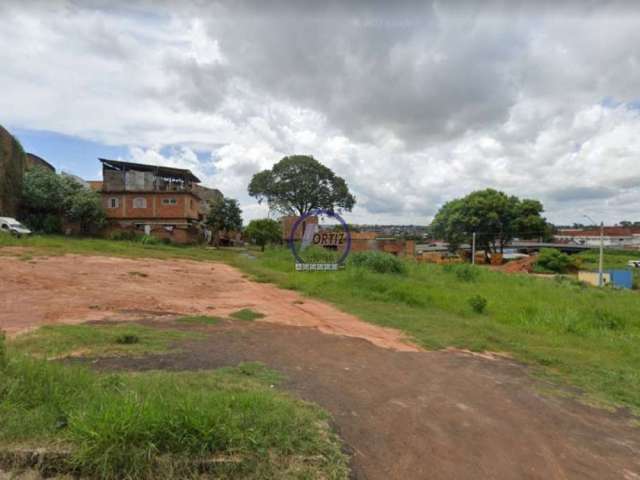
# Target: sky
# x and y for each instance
(414, 103)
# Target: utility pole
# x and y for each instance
(601, 262)
(601, 259)
(473, 249)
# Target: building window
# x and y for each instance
(140, 202)
(169, 201)
(114, 202)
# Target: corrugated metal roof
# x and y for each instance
(159, 170)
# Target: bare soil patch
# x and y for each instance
(423, 415)
(77, 288)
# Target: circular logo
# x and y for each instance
(314, 236)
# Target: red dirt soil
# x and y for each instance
(75, 289)
(522, 265)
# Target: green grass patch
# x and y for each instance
(97, 340)
(247, 315)
(50, 245)
(199, 320)
(570, 332)
(162, 425)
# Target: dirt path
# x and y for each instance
(425, 415)
(75, 288)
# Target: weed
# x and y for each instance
(199, 320)
(478, 303)
(138, 274)
(378, 262)
(113, 339)
(608, 321)
(3, 351)
(127, 339)
(247, 314)
(161, 425)
(466, 273)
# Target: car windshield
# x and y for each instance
(17, 225)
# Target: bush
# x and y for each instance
(127, 339)
(378, 262)
(464, 272)
(124, 235)
(478, 303)
(3, 351)
(555, 261)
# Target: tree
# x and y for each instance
(224, 215)
(298, 184)
(84, 207)
(48, 198)
(263, 232)
(495, 217)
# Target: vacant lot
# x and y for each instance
(402, 412)
(74, 288)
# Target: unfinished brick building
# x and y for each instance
(151, 200)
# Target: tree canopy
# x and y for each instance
(48, 198)
(298, 184)
(264, 231)
(224, 215)
(496, 217)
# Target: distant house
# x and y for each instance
(150, 199)
(622, 237)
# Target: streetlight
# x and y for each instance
(601, 262)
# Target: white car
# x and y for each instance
(634, 263)
(12, 226)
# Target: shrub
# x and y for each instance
(378, 262)
(555, 261)
(127, 339)
(478, 303)
(149, 240)
(604, 320)
(464, 272)
(3, 351)
(247, 315)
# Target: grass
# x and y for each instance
(199, 320)
(612, 258)
(50, 245)
(247, 315)
(567, 331)
(54, 341)
(571, 333)
(229, 422)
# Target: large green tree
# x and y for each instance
(48, 199)
(264, 231)
(224, 215)
(495, 217)
(298, 184)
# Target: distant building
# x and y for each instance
(621, 237)
(151, 200)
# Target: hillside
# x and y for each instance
(12, 162)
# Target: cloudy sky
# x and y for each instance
(413, 104)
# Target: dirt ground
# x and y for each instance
(76, 288)
(403, 413)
